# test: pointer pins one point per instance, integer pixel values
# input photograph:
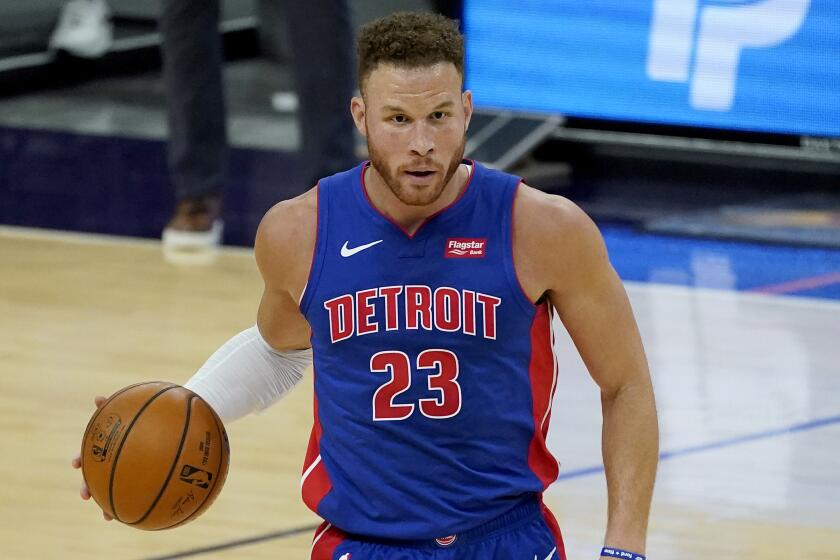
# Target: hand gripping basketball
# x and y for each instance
(154, 456)
(84, 491)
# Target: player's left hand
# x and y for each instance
(84, 492)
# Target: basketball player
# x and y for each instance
(423, 286)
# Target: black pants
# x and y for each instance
(321, 43)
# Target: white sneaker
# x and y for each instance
(192, 247)
(194, 232)
(84, 29)
(181, 240)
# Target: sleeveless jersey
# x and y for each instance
(434, 373)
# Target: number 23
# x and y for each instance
(445, 405)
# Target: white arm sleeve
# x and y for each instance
(247, 375)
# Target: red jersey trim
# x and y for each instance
(315, 481)
(543, 373)
(554, 527)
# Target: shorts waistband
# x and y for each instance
(522, 514)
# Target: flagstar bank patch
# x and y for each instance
(465, 248)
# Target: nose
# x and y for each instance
(421, 142)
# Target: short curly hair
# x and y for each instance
(409, 39)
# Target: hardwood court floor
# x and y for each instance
(748, 389)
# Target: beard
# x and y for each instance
(400, 186)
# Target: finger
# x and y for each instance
(98, 400)
(84, 492)
(107, 517)
(77, 462)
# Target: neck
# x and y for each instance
(408, 217)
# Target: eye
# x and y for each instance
(399, 119)
(438, 115)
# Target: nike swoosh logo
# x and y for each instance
(348, 252)
(550, 554)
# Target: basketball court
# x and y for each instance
(747, 384)
(723, 224)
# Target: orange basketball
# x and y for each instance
(155, 455)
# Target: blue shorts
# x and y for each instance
(529, 531)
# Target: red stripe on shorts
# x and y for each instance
(326, 540)
(555, 530)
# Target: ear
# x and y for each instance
(358, 110)
(466, 99)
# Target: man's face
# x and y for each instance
(415, 122)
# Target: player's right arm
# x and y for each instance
(283, 249)
(260, 365)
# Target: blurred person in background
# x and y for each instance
(321, 43)
(320, 39)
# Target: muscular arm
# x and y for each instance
(284, 246)
(590, 300)
(260, 365)
(283, 249)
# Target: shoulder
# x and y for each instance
(285, 220)
(543, 217)
(285, 239)
(554, 240)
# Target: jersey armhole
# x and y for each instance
(510, 265)
(321, 213)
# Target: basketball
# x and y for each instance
(155, 455)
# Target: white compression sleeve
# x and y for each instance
(247, 375)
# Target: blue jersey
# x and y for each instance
(434, 372)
